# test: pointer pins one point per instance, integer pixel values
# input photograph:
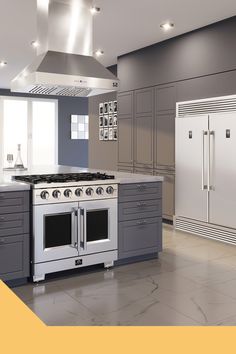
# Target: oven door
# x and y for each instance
(55, 232)
(97, 226)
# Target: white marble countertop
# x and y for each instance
(6, 183)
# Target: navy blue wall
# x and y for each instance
(70, 152)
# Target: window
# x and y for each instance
(32, 123)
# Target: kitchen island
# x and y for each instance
(130, 203)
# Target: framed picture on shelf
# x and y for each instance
(111, 107)
(115, 120)
(100, 109)
(105, 108)
(105, 121)
(110, 121)
(101, 121)
(115, 106)
(106, 133)
(101, 134)
(114, 133)
(110, 134)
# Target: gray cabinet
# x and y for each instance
(164, 140)
(125, 142)
(143, 127)
(140, 220)
(138, 238)
(168, 193)
(125, 129)
(164, 137)
(14, 235)
(128, 169)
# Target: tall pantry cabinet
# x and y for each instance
(146, 123)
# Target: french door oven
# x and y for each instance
(69, 230)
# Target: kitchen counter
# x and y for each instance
(6, 185)
(120, 177)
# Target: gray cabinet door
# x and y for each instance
(139, 237)
(144, 101)
(128, 169)
(14, 202)
(165, 98)
(125, 141)
(125, 104)
(168, 193)
(14, 224)
(14, 257)
(143, 127)
(164, 140)
(139, 210)
(125, 129)
(144, 171)
(143, 141)
(140, 191)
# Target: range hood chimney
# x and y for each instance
(64, 65)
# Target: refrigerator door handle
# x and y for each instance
(204, 186)
(210, 186)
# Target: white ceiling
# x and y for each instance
(121, 27)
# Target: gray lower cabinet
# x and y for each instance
(140, 220)
(168, 191)
(14, 235)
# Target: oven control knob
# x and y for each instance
(56, 194)
(100, 191)
(68, 193)
(89, 191)
(44, 195)
(110, 190)
(78, 192)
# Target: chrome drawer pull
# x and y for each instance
(143, 222)
(141, 204)
(141, 187)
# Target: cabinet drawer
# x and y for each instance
(14, 257)
(14, 224)
(14, 202)
(139, 237)
(137, 209)
(140, 191)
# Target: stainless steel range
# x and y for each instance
(74, 221)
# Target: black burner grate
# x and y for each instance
(64, 177)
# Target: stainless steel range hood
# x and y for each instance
(64, 65)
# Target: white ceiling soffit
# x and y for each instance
(121, 27)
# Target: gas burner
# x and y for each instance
(64, 177)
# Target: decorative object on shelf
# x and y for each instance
(108, 121)
(19, 166)
(19, 163)
(10, 158)
(80, 127)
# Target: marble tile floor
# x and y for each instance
(192, 283)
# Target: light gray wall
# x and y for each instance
(102, 154)
(70, 152)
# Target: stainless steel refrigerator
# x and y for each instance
(205, 190)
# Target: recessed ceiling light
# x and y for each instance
(95, 10)
(3, 63)
(99, 53)
(35, 44)
(167, 26)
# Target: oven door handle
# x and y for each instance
(74, 241)
(82, 229)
